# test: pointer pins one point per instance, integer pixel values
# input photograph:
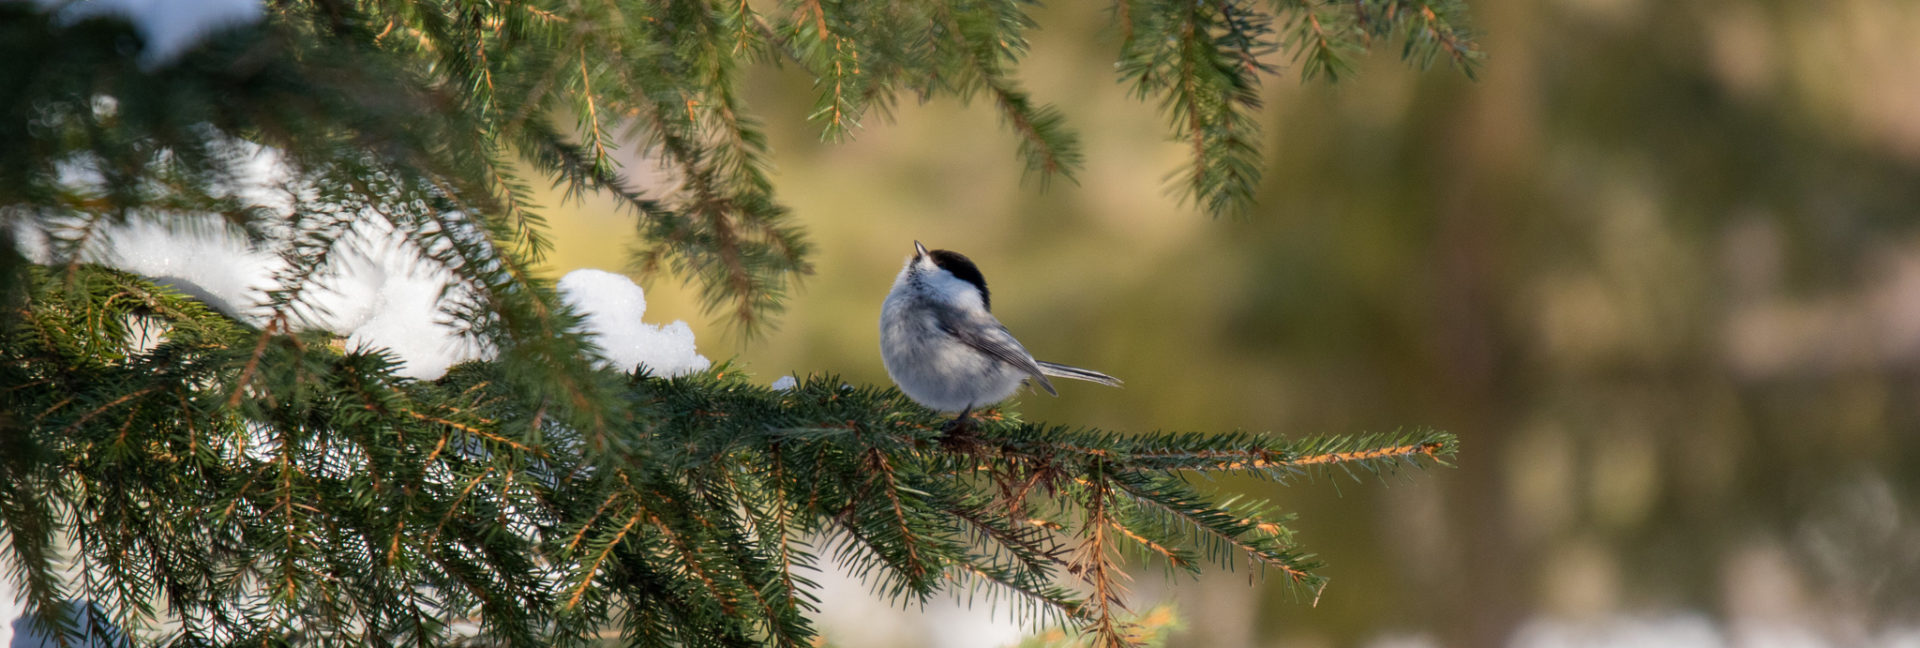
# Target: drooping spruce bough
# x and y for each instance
(249, 488)
(251, 483)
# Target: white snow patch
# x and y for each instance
(386, 296)
(170, 27)
(785, 383)
(11, 610)
(611, 306)
(206, 262)
(378, 290)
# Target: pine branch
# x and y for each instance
(811, 39)
(30, 528)
(1037, 602)
(1323, 41)
(1217, 527)
(327, 81)
(1210, 86)
(373, 484)
(1428, 28)
(777, 602)
(574, 167)
(789, 593)
(272, 488)
(990, 42)
(1094, 562)
(1035, 550)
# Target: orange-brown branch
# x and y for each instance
(110, 405)
(469, 429)
(253, 362)
(574, 599)
(1264, 459)
(1429, 449)
(1158, 548)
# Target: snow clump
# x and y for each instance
(611, 305)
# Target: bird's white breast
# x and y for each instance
(928, 364)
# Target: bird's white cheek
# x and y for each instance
(957, 293)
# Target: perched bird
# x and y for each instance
(944, 348)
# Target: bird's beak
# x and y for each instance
(919, 250)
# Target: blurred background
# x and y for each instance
(1659, 269)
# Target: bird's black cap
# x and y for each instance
(961, 267)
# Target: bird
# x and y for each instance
(944, 348)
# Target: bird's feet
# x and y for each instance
(958, 433)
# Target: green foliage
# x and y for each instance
(253, 483)
(233, 485)
(1204, 60)
(442, 99)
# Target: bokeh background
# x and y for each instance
(1659, 269)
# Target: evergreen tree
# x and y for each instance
(251, 481)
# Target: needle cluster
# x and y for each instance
(250, 481)
(236, 486)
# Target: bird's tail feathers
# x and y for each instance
(1076, 373)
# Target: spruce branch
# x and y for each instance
(342, 501)
(447, 89)
(271, 487)
(991, 41)
(1095, 562)
(834, 58)
(1209, 81)
(1324, 41)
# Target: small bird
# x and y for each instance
(944, 348)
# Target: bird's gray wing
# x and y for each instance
(991, 338)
